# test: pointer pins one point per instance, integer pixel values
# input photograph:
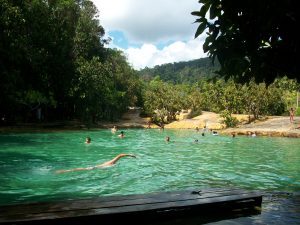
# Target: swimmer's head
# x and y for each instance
(88, 140)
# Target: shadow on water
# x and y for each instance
(10, 156)
(32, 139)
(10, 139)
(198, 217)
(277, 208)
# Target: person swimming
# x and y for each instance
(103, 165)
(121, 135)
(114, 129)
(167, 139)
(215, 133)
(88, 140)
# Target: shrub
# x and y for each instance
(228, 119)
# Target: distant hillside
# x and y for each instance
(182, 72)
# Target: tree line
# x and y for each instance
(164, 100)
(54, 65)
(182, 72)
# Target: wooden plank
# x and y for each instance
(117, 201)
(99, 203)
(110, 206)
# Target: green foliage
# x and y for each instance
(251, 39)
(228, 119)
(103, 91)
(163, 100)
(52, 56)
(182, 72)
(88, 33)
(225, 97)
(32, 97)
(297, 113)
(255, 98)
(194, 101)
(290, 89)
(275, 100)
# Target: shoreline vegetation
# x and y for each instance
(57, 65)
(275, 126)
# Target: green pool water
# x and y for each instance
(28, 162)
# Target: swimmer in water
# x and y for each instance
(88, 140)
(167, 139)
(105, 164)
(215, 133)
(121, 135)
(114, 129)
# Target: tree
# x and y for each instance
(231, 99)
(290, 89)
(163, 100)
(251, 38)
(88, 40)
(54, 63)
(36, 55)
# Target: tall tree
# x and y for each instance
(251, 38)
(89, 41)
(12, 47)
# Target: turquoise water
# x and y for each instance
(28, 162)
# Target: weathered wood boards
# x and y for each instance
(113, 208)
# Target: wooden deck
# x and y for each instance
(110, 209)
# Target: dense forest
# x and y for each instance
(196, 85)
(163, 100)
(183, 72)
(54, 65)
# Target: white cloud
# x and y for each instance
(149, 21)
(149, 55)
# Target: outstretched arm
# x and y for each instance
(114, 160)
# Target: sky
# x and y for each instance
(152, 32)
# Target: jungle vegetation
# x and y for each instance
(54, 65)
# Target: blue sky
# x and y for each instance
(152, 32)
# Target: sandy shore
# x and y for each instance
(273, 126)
(270, 126)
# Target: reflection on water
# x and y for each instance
(272, 165)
